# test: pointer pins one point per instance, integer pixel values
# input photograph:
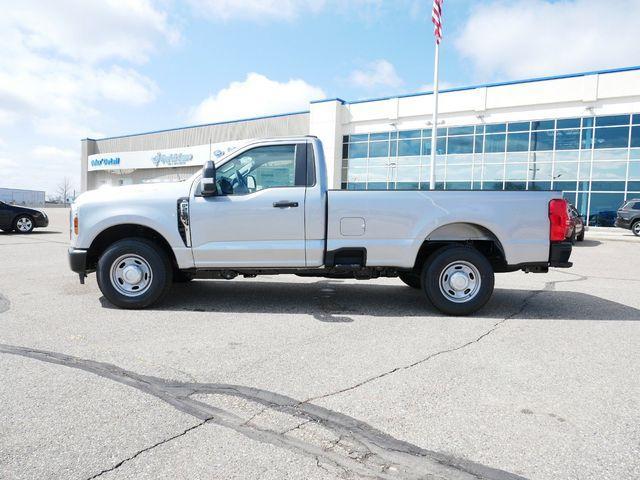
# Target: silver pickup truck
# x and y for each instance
(265, 209)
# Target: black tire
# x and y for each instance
(22, 218)
(580, 238)
(160, 274)
(411, 279)
(445, 258)
(635, 228)
(180, 276)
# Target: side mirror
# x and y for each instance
(208, 186)
(251, 182)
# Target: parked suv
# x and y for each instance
(629, 216)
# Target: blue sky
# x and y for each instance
(86, 68)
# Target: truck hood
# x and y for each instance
(145, 191)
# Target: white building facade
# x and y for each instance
(576, 133)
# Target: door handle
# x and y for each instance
(284, 204)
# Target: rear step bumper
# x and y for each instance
(559, 254)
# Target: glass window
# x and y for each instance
(612, 137)
(468, 130)
(462, 144)
(273, 166)
(539, 171)
(603, 207)
(379, 136)
(566, 171)
(610, 120)
(619, 154)
(407, 185)
(608, 186)
(408, 174)
(478, 144)
(515, 186)
(458, 173)
(568, 156)
(569, 197)
(357, 162)
(539, 185)
(633, 186)
(494, 158)
(588, 122)
(636, 118)
(358, 150)
(567, 139)
(345, 138)
(345, 150)
(379, 149)
(609, 170)
(634, 170)
(517, 157)
(564, 186)
(409, 134)
(495, 128)
(458, 185)
(517, 171)
(543, 125)
(378, 174)
(494, 143)
(408, 160)
(426, 132)
(356, 186)
(587, 138)
(492, 185)
(635, 137)
(493, 172)
(518, 127)
(357, 174)
(460, 159)
(359, 138)
(518, 142)
(441, 146)
(542, 140)
(568, 123)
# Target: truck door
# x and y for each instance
(257, 218)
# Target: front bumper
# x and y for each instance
(41, 221)
(559, 254)
(78, 260)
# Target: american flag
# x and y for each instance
(436, 18)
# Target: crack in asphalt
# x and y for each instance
(549, 286)
(144, 450)
(384, 456)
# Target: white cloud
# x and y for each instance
(256, 95)
(536, 37)
(380, 73)
(60, 62)
(262, 10)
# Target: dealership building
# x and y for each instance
(578, 133)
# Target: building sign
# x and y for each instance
(169, 158)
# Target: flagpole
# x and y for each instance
(434, 126)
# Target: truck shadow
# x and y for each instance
(337, 301)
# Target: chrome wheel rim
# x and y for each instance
(131, 275)
(636, 228)
(24, 224)
(460, 282)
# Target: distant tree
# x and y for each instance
(65, 187)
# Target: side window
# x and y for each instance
(636, 206)
(258, 169)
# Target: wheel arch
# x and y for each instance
(114, 233)
(464, 233)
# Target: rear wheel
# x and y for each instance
(458, 280)
(635, 228)
(580, 237)
(134, 273)
(23, 224)
(411, 279)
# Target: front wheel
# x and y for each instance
(134, 273)
(635, 228)
(458, 280)
(580, 237)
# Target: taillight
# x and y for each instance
(75, 224)
(559, 219)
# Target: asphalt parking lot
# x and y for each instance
(284, 377)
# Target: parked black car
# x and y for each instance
(21, 219)
(629, 216)
(577, 224)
